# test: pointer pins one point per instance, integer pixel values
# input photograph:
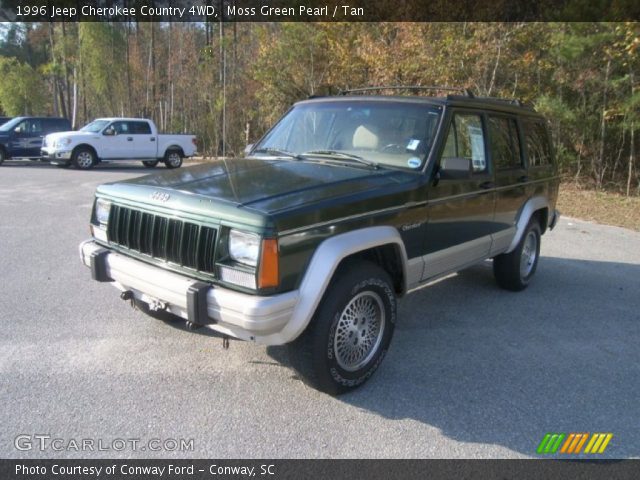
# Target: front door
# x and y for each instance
(27, 140)
(461, 211)
(119, 145)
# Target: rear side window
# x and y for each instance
(538, 144)
(56, 125)
(504, 142)
(466, 140)
(140, 128)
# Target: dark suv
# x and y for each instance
(21, 137)
(346, 204)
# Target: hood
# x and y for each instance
(249, 186)
(72, 133)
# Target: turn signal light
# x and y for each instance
(268, 274)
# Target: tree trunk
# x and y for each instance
(603, 128)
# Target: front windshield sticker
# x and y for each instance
(414, 162)
(413, 144)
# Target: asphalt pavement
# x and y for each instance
(473, 371)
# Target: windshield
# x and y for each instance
(396, 134)
(10, 125)
(95, 126)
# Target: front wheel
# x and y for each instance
(514, 270)
(150, 163)
(173, 159)
(350, 333)
(84, 159)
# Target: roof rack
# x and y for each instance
(415, 88)
(510, 101)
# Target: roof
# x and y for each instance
(125, 119)
(486, 103)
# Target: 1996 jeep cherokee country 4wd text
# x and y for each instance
(346, 204)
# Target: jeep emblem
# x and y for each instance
(160, 196)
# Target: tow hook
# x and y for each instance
(128, 295)
(157, 306)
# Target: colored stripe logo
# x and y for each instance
(573, 443)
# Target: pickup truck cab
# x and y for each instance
(107, 139)
(347, 204)
(21, 137)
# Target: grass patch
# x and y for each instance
(601, 207)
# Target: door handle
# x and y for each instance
(129, 139)
(153, 139)
(523, 178)
(487, 185)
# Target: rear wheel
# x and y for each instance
(3, 156)
(350, 333)
(514, 270)
(84, 158)
(173, 159)
(150, 163)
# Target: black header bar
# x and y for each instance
(319, 10)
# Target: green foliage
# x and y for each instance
(582, 76)
(22, 91)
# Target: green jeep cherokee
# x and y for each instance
(348, 203)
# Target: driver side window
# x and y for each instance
(466, 140)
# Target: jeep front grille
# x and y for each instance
(169, 239)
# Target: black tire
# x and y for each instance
(3, 155)
(83, 158)
(150, 163)
(357, 288)
(512, 270)
(173, 159)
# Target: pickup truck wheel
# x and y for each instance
(150, 163)
(84, 159)
(173, 159)
(514, 270)
(350, 333)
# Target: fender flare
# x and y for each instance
(526, 212)
(85, 145)
(323, 266)
(177, 148)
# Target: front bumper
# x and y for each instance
(54, 156)
(244, 316)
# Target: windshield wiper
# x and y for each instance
(338, 154)
(278, 153)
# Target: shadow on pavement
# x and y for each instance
(490, 366)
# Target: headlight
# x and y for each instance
(244, 247)
(62, 142)
(102, 211)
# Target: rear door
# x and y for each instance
(461, 219)
(510, 175)
(144, 142)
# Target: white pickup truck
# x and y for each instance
(117, 139)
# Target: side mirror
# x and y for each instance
(110, 132)
(248, 149)
(455, 168)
